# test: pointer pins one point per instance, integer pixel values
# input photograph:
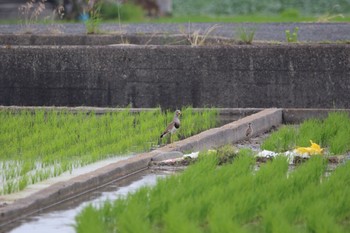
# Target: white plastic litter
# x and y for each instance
(289, 154)
(193, 155)
(267, 154)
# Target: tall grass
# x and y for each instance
(36, 146)
(232, 198)
(332, 132)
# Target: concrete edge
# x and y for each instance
(123, 38)
(235, 131)
(76, 186)
(117, 38)
(229, 133)
(101, 110)
(298, 115)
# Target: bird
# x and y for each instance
(249, 130)
(173, 126)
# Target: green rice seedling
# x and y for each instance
(49, 143)
(337, 132)
(95, 223)
(205, 198)
(23, 182)
(9, 187)
(340, 143)
(282, 140)
(308, 173)
(333, 132)
(311, 129)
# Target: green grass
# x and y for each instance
(36, 146)
(246, 35)
(231, 198)
(255, 18)
(242, 19)
(332, 133)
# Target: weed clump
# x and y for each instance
(246, 35)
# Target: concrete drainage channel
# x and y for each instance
(60, 218)
(136, 166)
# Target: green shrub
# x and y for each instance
(290, 13)
(124, 12)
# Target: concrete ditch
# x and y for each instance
(74, 187)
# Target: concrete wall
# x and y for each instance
(301, 76)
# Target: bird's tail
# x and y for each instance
(163, 134)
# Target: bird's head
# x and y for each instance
(177, 113)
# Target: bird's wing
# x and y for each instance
(168, 129)
(248, 132)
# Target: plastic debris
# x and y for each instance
(193, 155)
(267, 154)
(289, 154)
(314, 149)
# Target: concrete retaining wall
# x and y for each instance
(289, 76)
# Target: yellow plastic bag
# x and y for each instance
(314, 149)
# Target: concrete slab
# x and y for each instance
(167, 155)
(232, 132)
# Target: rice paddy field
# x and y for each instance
(332, 133)
(234, 197)
(226, 191)
(42, 144)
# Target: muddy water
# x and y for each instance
(61, 218)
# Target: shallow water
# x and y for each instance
(61, 218)
(31, 189)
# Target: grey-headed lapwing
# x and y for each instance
(173, 126)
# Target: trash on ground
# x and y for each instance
(314, 149)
